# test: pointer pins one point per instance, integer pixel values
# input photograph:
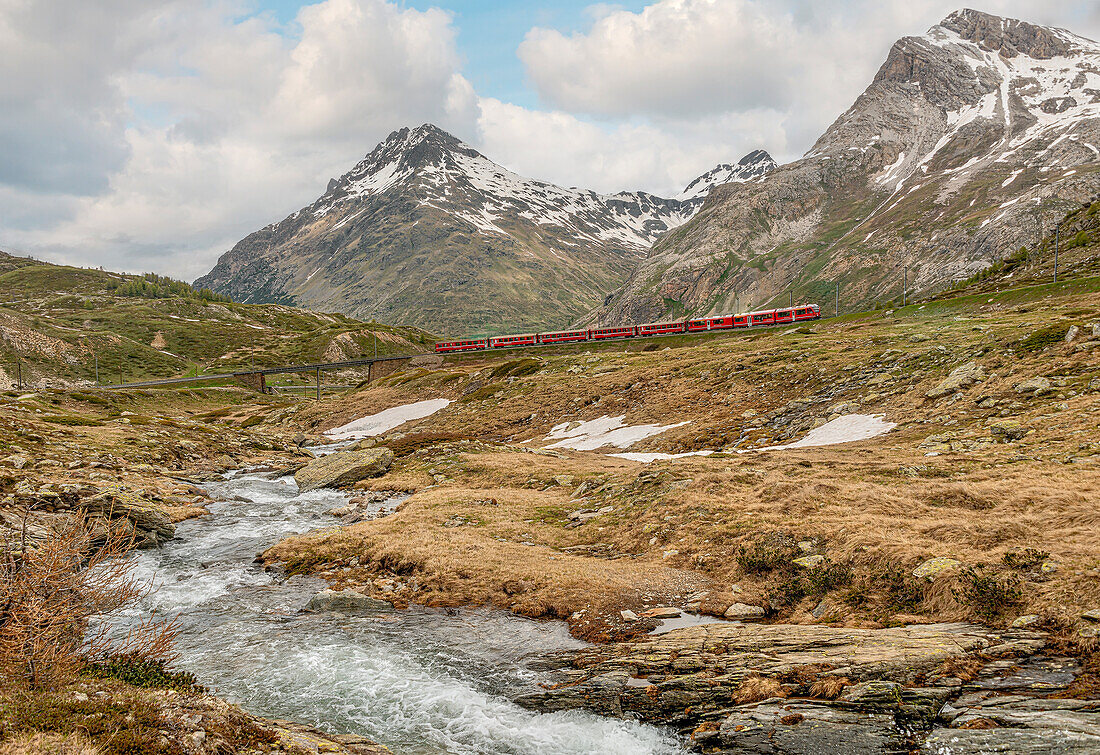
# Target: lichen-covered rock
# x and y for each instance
(1008, 429)
(934, 567)
(343, 468)
(1036, 385)
(960, 378)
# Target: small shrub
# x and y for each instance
(71, 420)
(767, 554)
(1028, 558)
(517, 368)
(143, 672)
(990, 595)
(1044, 337)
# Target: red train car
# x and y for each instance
(740, 321)
(599, 334)
(807, 312)
(696, 325)
(467, 345)
(784, 315)
(563, 336)
(660, 328)
(721, 322)
(763, 317)
(525, 339)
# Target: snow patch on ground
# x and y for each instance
(603, 431)
(846, 429)
(645, 458)
(386, 420)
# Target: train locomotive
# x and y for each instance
(783, 316)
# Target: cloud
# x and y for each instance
(202, 124)
(154, 134)
(560, 148)
(677, 61)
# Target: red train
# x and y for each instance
(713, 322)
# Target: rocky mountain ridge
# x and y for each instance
(971, 140)
(425, 229)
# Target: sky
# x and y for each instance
(152, 135)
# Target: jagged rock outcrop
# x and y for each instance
(968, 142)
(426, 230)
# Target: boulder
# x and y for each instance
(934, 567)
(343, 468)
(960, 378)
(1036, 385)
(1072, 333)
(1008, 429)
(809, 562)
(345, 601)
(152, 525)
(744, 612)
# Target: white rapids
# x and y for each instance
(421, 681)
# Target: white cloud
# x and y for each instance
(560, 148)
(206, 124)
(677, 61)
(154, 134)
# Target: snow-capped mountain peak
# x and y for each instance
(756, 164)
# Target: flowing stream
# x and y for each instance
(420, 681)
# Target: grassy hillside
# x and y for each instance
(57, 322)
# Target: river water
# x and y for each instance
(420, 681)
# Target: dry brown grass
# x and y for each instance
(757, 688)
(879, 507)
(829, 687)
(49, 743)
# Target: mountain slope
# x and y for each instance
(970, 140)
(59, 324)
(427, 231)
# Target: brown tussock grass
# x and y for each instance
(757, 688)
(829, 687)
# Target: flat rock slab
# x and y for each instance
(1009, 742)
(343, 468)
(698, 669)
(806, 728)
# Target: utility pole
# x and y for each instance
(318, 383)
(96, 357)
(120, 374)
(375, 342)
(791, 304)
(837, 299)
(904, 284)
(19, 374)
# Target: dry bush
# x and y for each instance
(757, 688)
(49, 592)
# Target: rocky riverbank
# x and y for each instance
(937, 688)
